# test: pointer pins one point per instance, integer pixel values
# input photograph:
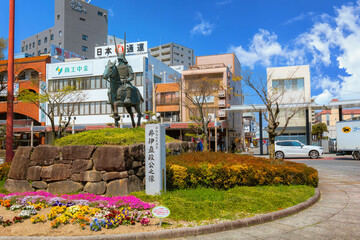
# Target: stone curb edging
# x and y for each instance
(190, 231)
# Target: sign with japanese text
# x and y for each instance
(131, 48)
(208, 99)
(77, 6)
(62, 54)
(160, 212)
(70, 70)
(155, 159)
(42, 116)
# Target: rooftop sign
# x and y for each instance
(77, 6)
(131, 48)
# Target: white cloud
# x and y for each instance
(224, 2)
(204, 27)
(324, 98)
(111, 12)
(299, 18)
(264, 49)
(332, 42)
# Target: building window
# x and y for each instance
(52, 37)
(138, 79)
(328, 119)
(22, 49)
(60, 33)
(39, 52)
(29, 46)
(82, 19)
(26, 47)
(59, 45)
(157, 79)
(33, 44)
(85, 48)
(84, 37)
(58, 17)
(100, 14)
(45, 39)
(39, 42)
(45, 50)
(295, 84)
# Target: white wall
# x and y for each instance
(138, 64)
(300, 96)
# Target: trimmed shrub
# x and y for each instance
(224, 171)
(4, 170)
(107, 136)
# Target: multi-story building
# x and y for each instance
(331, 116)
(78, 27)
(173, 54)
(167, 101)
(94, 112)
(291, 85)
(221, 68)
(250, 128)
(29, 74)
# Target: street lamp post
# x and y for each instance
(10, 86)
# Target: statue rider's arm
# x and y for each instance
(131, 74)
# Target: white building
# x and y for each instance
(88, 77)
(291, 85)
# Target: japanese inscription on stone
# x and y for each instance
(155, 155)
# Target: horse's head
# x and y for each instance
(110, 69)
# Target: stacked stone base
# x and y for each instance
(110, 170)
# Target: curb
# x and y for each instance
(190, 231)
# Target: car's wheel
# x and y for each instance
(314, 154)
(356, 155)
(279, 155)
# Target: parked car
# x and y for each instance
(294, 148)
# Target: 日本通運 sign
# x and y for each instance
(131, 48)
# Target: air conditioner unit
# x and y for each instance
(221, 113)
(222, 103)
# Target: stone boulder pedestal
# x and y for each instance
(117, 188)
(65, 187)
(98, 188)
(17, 186)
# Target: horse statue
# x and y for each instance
(121, 92)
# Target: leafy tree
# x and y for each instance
(65, 102)
(319, 129)
(272, 98)
(3, 46)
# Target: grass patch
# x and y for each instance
(107, 136)
(239, 202)
(2, 190)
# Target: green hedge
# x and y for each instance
(224, 171)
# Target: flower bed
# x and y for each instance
(225, 171)
(89, 211)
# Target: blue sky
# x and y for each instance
(263, 33)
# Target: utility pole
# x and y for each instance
(10, 86)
